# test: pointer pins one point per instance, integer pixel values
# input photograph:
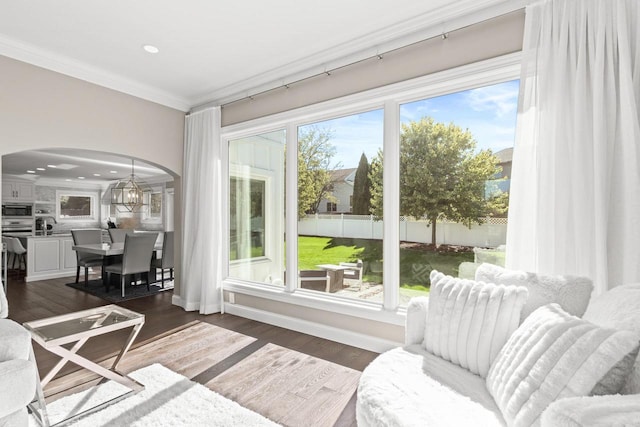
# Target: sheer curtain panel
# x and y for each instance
(201, 280)
(575, 193)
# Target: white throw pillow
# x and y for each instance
(571, 292)
(553, 355)
(468, 322)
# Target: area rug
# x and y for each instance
(96, 287)
(169, 399)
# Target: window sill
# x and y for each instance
(319, 301)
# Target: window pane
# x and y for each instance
(75, 206)
(256, 208)
(155, 205)
(455, 165)
(340, 226)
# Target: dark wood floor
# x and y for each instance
(36, 300)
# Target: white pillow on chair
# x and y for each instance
(468, 322)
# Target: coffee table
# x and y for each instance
(54, 332)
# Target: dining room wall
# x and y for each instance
(42, 109)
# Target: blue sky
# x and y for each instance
(488, 112)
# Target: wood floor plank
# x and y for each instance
(292, 378)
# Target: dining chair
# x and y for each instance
(117, 234)
(166, 262)
(136, 259)
(85, 259)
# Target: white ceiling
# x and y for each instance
(211, 51)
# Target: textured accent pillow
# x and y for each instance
(468, 322)
(571, 292)
(553, 355)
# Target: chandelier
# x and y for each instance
(129, 195)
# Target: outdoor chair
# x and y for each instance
(354, 271)
(317, 280)
(166, 262)
(136, 259)
(85, 259)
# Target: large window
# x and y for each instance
(337, 158)
(256, 208)
(360, 237)
(455, 164)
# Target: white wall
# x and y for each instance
(43, 109)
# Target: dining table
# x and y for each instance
(107, 250)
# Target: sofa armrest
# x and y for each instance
(416, 320)
(17, 385)
(592, 411)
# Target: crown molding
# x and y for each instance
(64, 65)
(419, 28)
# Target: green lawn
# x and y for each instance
(415, 264)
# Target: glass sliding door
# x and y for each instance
(339, 223)
(256, 208)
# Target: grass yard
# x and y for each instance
(416, 260)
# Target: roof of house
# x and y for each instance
(505, 155)
(340, 175)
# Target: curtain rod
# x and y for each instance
(443, 36)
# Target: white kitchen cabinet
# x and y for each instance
(17, 191)
(49, 257)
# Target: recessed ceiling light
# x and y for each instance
(81, 177)
(41, 169)
(96, 174)
(150, 48)
(69, 180)
(52, 166)
(30, 171)
(113, 171)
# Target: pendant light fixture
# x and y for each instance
(130, 194)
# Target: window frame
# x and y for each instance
(483, 73)
(93, 216)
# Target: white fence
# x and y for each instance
(492, 233)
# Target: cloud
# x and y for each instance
(501, 99)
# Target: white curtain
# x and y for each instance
(201, 278)
(575, 189)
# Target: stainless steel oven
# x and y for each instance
(17, 225)
(17, 210)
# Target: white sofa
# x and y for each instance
(409, 386)
(17, 370)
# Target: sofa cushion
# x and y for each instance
(553, 355)
(468, 322)
(619, 308)
(571, 292)
(411, 387)
(15, 339)
(21, 376)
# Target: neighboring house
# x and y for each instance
(342, 192)
(501, 181)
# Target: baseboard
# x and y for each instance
(195, 306)
(55, 275)
(355, 339)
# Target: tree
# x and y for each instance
(362, 188)
(315, 153)
(441, 176)
(375, 178)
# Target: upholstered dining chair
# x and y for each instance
(166, 262)
(136, 259)
(15, 246)
(84, 259)
(117, 234)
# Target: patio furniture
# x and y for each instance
(336, 276)
(353, 271)
(317, 280)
